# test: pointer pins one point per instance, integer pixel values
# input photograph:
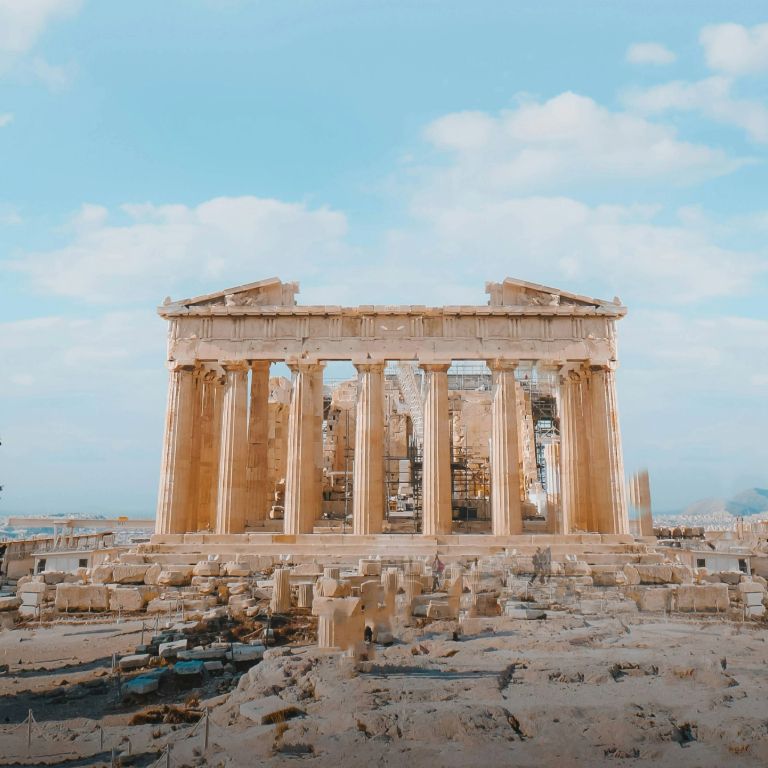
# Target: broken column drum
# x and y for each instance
(214, 471)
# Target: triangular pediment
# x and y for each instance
(520, 293)
(271, 292)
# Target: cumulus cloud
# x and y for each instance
(88, 354)
(569, 138)
(22, 23)
(601, 250)
(711, 97)
(736, 49)
(649, 53)
(159, 249)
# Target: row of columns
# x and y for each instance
(217, 429)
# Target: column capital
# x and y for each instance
(610, 366)
(297, 366)
(176, 366)
(234, 365)
(370, 367)
(435, 367)
(502, 365)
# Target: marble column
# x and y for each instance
(573, 513)
(606, 460)
(210, 441)
(643, 489)
(554, 510)
(302, 481)
(506, 456)
(436, 466)
(257, 494)
(230, 507)
(368, 475)
(173, 497)
(281, 591)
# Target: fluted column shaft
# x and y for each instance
(173, 495)
(302, 479)
(554, 510)
(436, 467)
(368, 475)
(574, 454)
(606, 459)
(506, 454)
(230, 507)
(257, 492)
(210, 442)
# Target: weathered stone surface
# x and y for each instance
(175, 577)
(440, 609)
(53, 577)
(126, 599)
(608, 576)
(332, 588)
(236, 569)
(141, 686)
(729, 577)
(152, 574)
(129, 574)
(169, 650)
(576, 568)
(101, 574)
(269, 710)
(652, 598)
(134, 661)
(207, 568)
(750, 586)
(82, 597)
(159, 605)
(9, 603)
(632, 575)
(702, 597)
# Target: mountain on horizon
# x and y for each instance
(752, 501)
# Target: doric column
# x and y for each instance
(436, 466)
(643, 486)
(210, 441)
(368, 476)
(257, 492)
(554, 510)
(302, 480)
(606, 460)
(173, 496)
(230, 507)
(574, 486)
(281, 591)
(506, 456)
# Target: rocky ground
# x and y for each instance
(565, 691)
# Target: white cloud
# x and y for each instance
(710, 97)
(650, 53)
(175, 249)
(5, 119)
(22, 22)
(88, 354)
(560, 241)
(569, 138)
(54, 77)
(736, 49)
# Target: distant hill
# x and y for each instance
(752, 501)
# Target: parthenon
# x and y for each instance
(536, 344)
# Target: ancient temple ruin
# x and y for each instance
(497, 419)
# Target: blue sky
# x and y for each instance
(377, 152)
